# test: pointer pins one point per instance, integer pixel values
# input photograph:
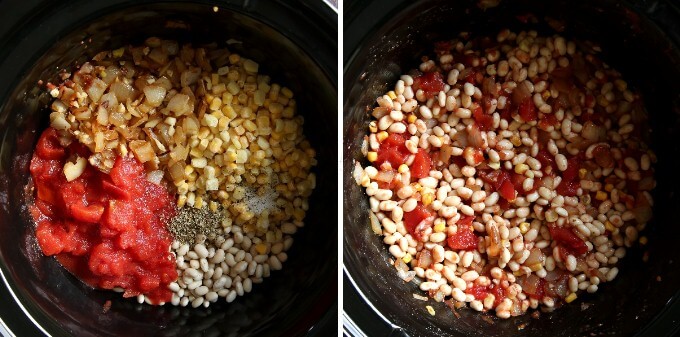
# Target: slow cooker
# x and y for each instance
(384, 39)
(294, 41)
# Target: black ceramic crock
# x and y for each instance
(293, 41)
(640, 38)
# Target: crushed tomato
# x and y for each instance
(464, 238)
(500, 181)
(413, 221)
(484, 121)
(422, 163)
(570, 180)
(527, 110)
(108, 230)
(568, 240)
(481, 292)
(392, 150)
(431, 83)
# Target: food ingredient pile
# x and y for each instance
(509, 173)
(196, 132)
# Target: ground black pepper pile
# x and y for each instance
(191, 221)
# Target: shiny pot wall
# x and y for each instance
(295, 42)
(381, 44)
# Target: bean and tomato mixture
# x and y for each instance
(171, 172)
(509, 173)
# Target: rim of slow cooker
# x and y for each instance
(357, 25)
(318, 14)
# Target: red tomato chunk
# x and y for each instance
(392, 150)
(481, 292)
(108, 230)
(568, 240)
(484, 121)
(464, 239)
(501, 181)
(527, 110)
(413, 221)
(431, 83)
(421, 165)
(570, 180)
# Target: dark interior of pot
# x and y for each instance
(292, 301)
(644, 296)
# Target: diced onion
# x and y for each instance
(154, 94)
(111, 73)
(123, 91)
(418, 297)
(190, 76)
(155, 177)
(475, 136)
(375, 225)
(520, 93)
(592, 132)
(424, 259)
(536, 256)
(96, 89)
(179, 104)
(385, 176)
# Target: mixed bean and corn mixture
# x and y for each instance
(509, 173)
(225, 141)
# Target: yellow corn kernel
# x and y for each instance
(536, 266)
(608, 225)
(643, 240)
(119, 52)
(403, 168)
(439, 226)
(582, 173)
(411, 119)
(392, 94)
(382, 135)
(524, 227)
(215, 104)
(546, 94)
(427, 199)
(407, 258)
(609, 187)
(430, 310)
(516, 141)
(198, 202)
(261, 248)
(518, 272)
(181, 200)
(372, 156)
(601, 195)
(570, 298)
(215, 145)
(521, 168)
(373, 127)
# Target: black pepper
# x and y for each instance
(190, 222)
